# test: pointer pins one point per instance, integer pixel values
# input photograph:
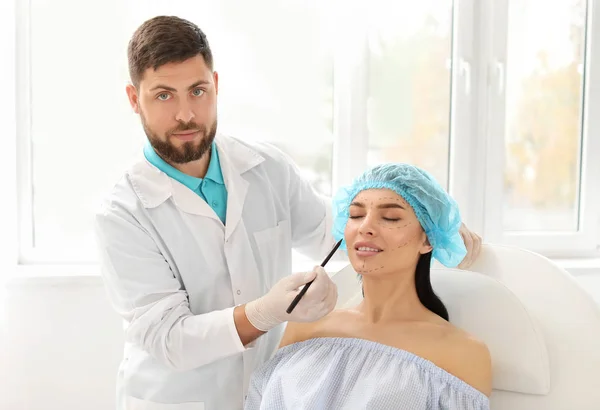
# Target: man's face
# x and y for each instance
(177, 104)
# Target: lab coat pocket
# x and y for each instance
(139, 404)
(274, 252)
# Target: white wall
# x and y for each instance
(61, 343)
(591, 282)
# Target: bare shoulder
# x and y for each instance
(300, 331)
(295, 332)
(327, 326)
(469, 359)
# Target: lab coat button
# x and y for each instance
(239, 292)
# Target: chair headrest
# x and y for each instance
(488, 310)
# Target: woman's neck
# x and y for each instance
(391, 298)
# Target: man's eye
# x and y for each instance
(198, 92)
(163, 96)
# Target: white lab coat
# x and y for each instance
(174, 273)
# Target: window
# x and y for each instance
(545, 75)
(284, 94)
(495, 99)
(544, 129)
(8, 157)
(409, 84)
(82, 133)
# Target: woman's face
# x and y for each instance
(383, 234)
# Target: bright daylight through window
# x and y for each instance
(418, 71)
(544, 113)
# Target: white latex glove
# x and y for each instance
(270, 310)
(473, 245)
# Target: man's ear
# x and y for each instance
(132, 95)
(216, 80)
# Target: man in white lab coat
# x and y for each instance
(196, 238)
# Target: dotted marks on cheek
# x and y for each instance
(395, 227)
(404, 244)
(406, 205)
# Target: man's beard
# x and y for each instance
(188, 151)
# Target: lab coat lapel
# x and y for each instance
(153, 187)
(188, 201)
(235, 160)
(236, 195)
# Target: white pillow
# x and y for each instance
(491, 312)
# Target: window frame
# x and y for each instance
(476, 129)
(468, 89)
(350, 105)
(23, 133)
(584, 242)
(350, 96)
(8, 155)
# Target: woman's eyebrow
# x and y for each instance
(389, 205)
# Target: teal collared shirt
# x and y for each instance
(211, 188)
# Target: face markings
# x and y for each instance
(372, 270)
(394, 227)
(364, 269)
(371, 204)
(404, 244)
(398, 199)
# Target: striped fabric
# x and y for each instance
(345, 373)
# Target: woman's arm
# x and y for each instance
(471, 362)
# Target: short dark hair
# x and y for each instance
(162, 40)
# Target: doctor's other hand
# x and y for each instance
(270, 310)
(473, 245)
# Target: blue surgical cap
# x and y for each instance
(436, 211)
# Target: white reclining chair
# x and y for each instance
(541, 326)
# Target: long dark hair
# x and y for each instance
(424, 290)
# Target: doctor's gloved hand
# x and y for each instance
(472, 243)
(270, 310)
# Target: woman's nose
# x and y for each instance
(367, 227)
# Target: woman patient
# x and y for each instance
(397, 348)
